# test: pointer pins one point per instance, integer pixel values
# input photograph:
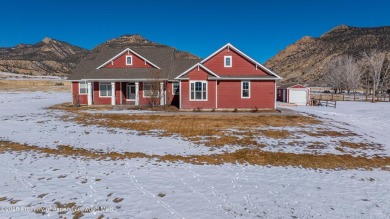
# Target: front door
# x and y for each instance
(130, 91)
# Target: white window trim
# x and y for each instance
(86, 88)
(173, 91)
(224, 62)
(104, 83)
(143, 90)
(131, 59)
(242, 89)
(207, 90)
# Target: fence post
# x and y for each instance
(343, 97)
(320, 96)
(354, 97)
(332, 97)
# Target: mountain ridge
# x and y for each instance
(304, 60)
(46, 57)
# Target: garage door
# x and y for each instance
(298, 97)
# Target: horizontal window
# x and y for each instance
(105, 90)
(151, 89)
(198, 90)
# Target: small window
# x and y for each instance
(175, 88)
(129, 60)
(83, 87)
(198, 90)
(105, 90)
(227, 61)
(245, 89)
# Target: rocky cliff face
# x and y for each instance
(48, 57)
(304, 60)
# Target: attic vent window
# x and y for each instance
(129, 60)
(227, 61)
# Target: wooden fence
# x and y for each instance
(349, 97)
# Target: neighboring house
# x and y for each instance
(294, 93)
(226, 79)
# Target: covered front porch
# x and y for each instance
(125, 93)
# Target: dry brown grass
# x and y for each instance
(329, 133)
(210, 129)
(276, 133)
(34, 85)
(360, 145)
(251, 156)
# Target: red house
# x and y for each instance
(227, 79)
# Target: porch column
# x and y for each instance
(161, 93)
(113, 93)
(89, 91)
(136, 93)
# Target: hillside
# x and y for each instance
(304, 60)
(136, 41)
(47, 57)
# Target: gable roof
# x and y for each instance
(161, 56)
(230, 46)
(124, 51)
(199, 66)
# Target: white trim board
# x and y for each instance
(230, 46)
(132, 51)
(200, 66)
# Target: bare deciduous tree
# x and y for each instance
(378, 73)
(342, 73)
(154, 89)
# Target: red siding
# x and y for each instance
(262, 95)
(82, 99)
(240, 65)
(99, 100)
(172, 99)
(200, 75)
(120, 62)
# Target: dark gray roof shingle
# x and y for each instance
(162, 56)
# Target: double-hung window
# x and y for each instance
(198, 90)
(129, 60)
(175, 88)
(245, 89)
(227, 62)
(105, 89)
(83, 87)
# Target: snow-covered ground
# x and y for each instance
(23, 119)
(164, 190)
(372, 120)
(142, 188)
(14, 76)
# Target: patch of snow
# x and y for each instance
(372, 120)
(24, 119)
(151, 189)
(14, 76)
